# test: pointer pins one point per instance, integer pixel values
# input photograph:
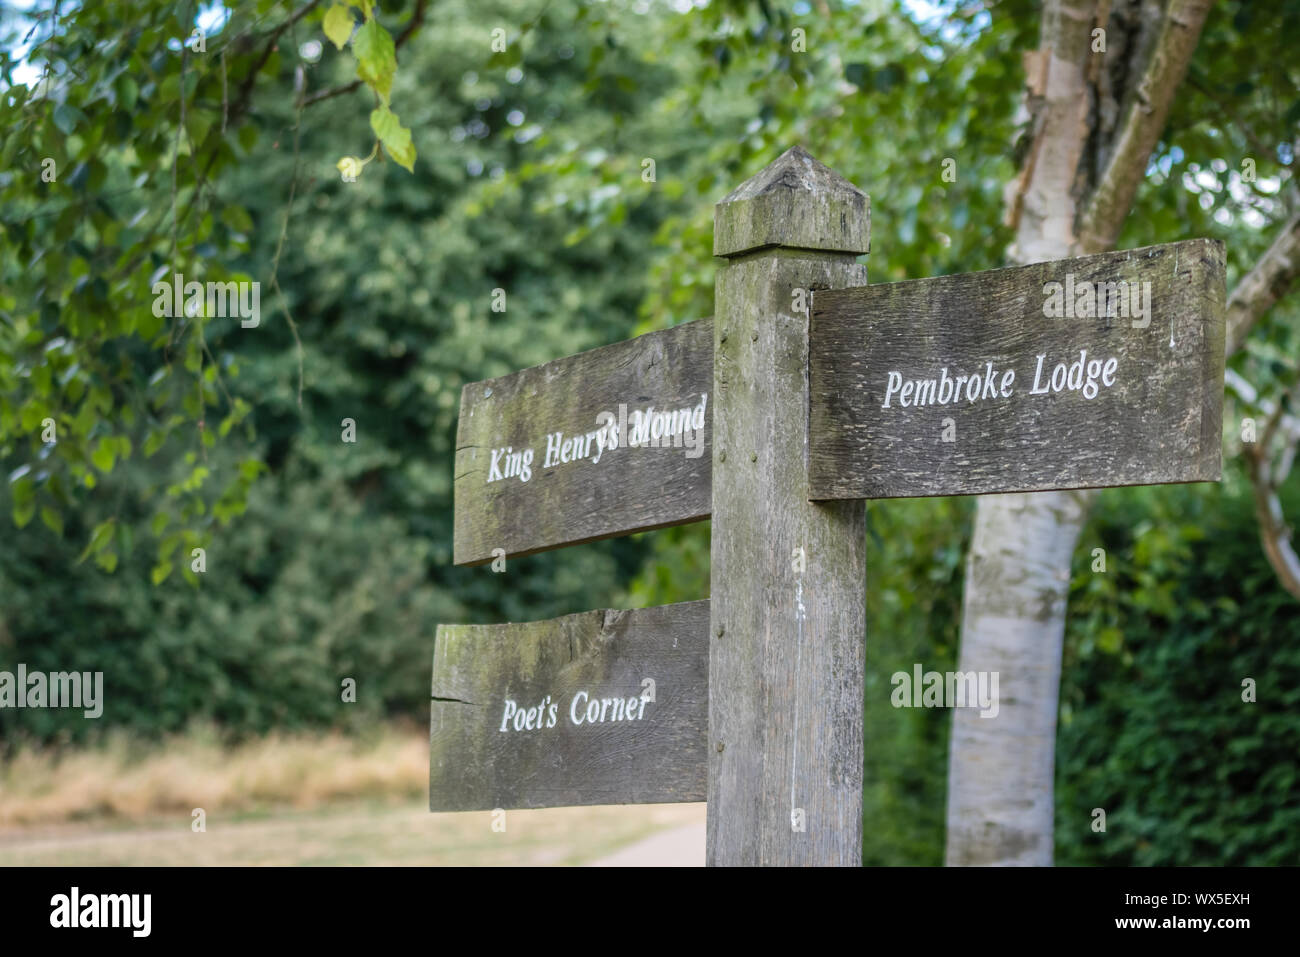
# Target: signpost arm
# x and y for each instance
(787, 626)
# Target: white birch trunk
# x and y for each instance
(1000, 795)
(1000, 772)
(1001, 769)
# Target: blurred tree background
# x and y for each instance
(328, 560)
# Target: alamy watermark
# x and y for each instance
(57, 689)
(649, 428)
(1098, 300)
(950, 689)
(75, 909)
(211, 300)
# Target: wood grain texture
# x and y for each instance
(772, 209)
(786, 658)
(1159, 422)
(656, 757)
(611, 492)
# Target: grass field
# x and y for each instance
(350, 834)
(298, 800)
(125, 779)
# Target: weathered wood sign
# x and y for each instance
(1100, 371)
(603, 707)
(775, 420)
(606, 442)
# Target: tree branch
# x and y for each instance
(1142, 125)
(1274, 533)
(1267, 476)
(246, 88)
(331, 93)
(1247, 131)
(1266, 283)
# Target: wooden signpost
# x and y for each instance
(1123, 387)
(603, 707)
(603, 443)
(808, 392)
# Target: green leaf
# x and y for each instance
(160, 572)
(53, 520)
(167, 546)
(395, 137)
(24, 495)
(105, 454)
(338, 24)
(376, 58)
(67, 117)
(32, 415)
(99, 538)
(237, 218)
(1110, 640)
(11, 144)
(127, 91)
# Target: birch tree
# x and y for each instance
(1099, 90)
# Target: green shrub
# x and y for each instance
(1153, 726)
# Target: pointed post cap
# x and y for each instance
(795, 202)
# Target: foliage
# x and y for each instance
(1153, 726)
(342, 563)
(307, 590)
(110, 183)
(376, 55)
(915, 566)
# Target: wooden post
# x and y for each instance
(787, 624)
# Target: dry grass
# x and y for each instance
(116, 782)
(284, 799)
(357, 834)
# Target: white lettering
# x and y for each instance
(893, 385)
(1037, 374)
